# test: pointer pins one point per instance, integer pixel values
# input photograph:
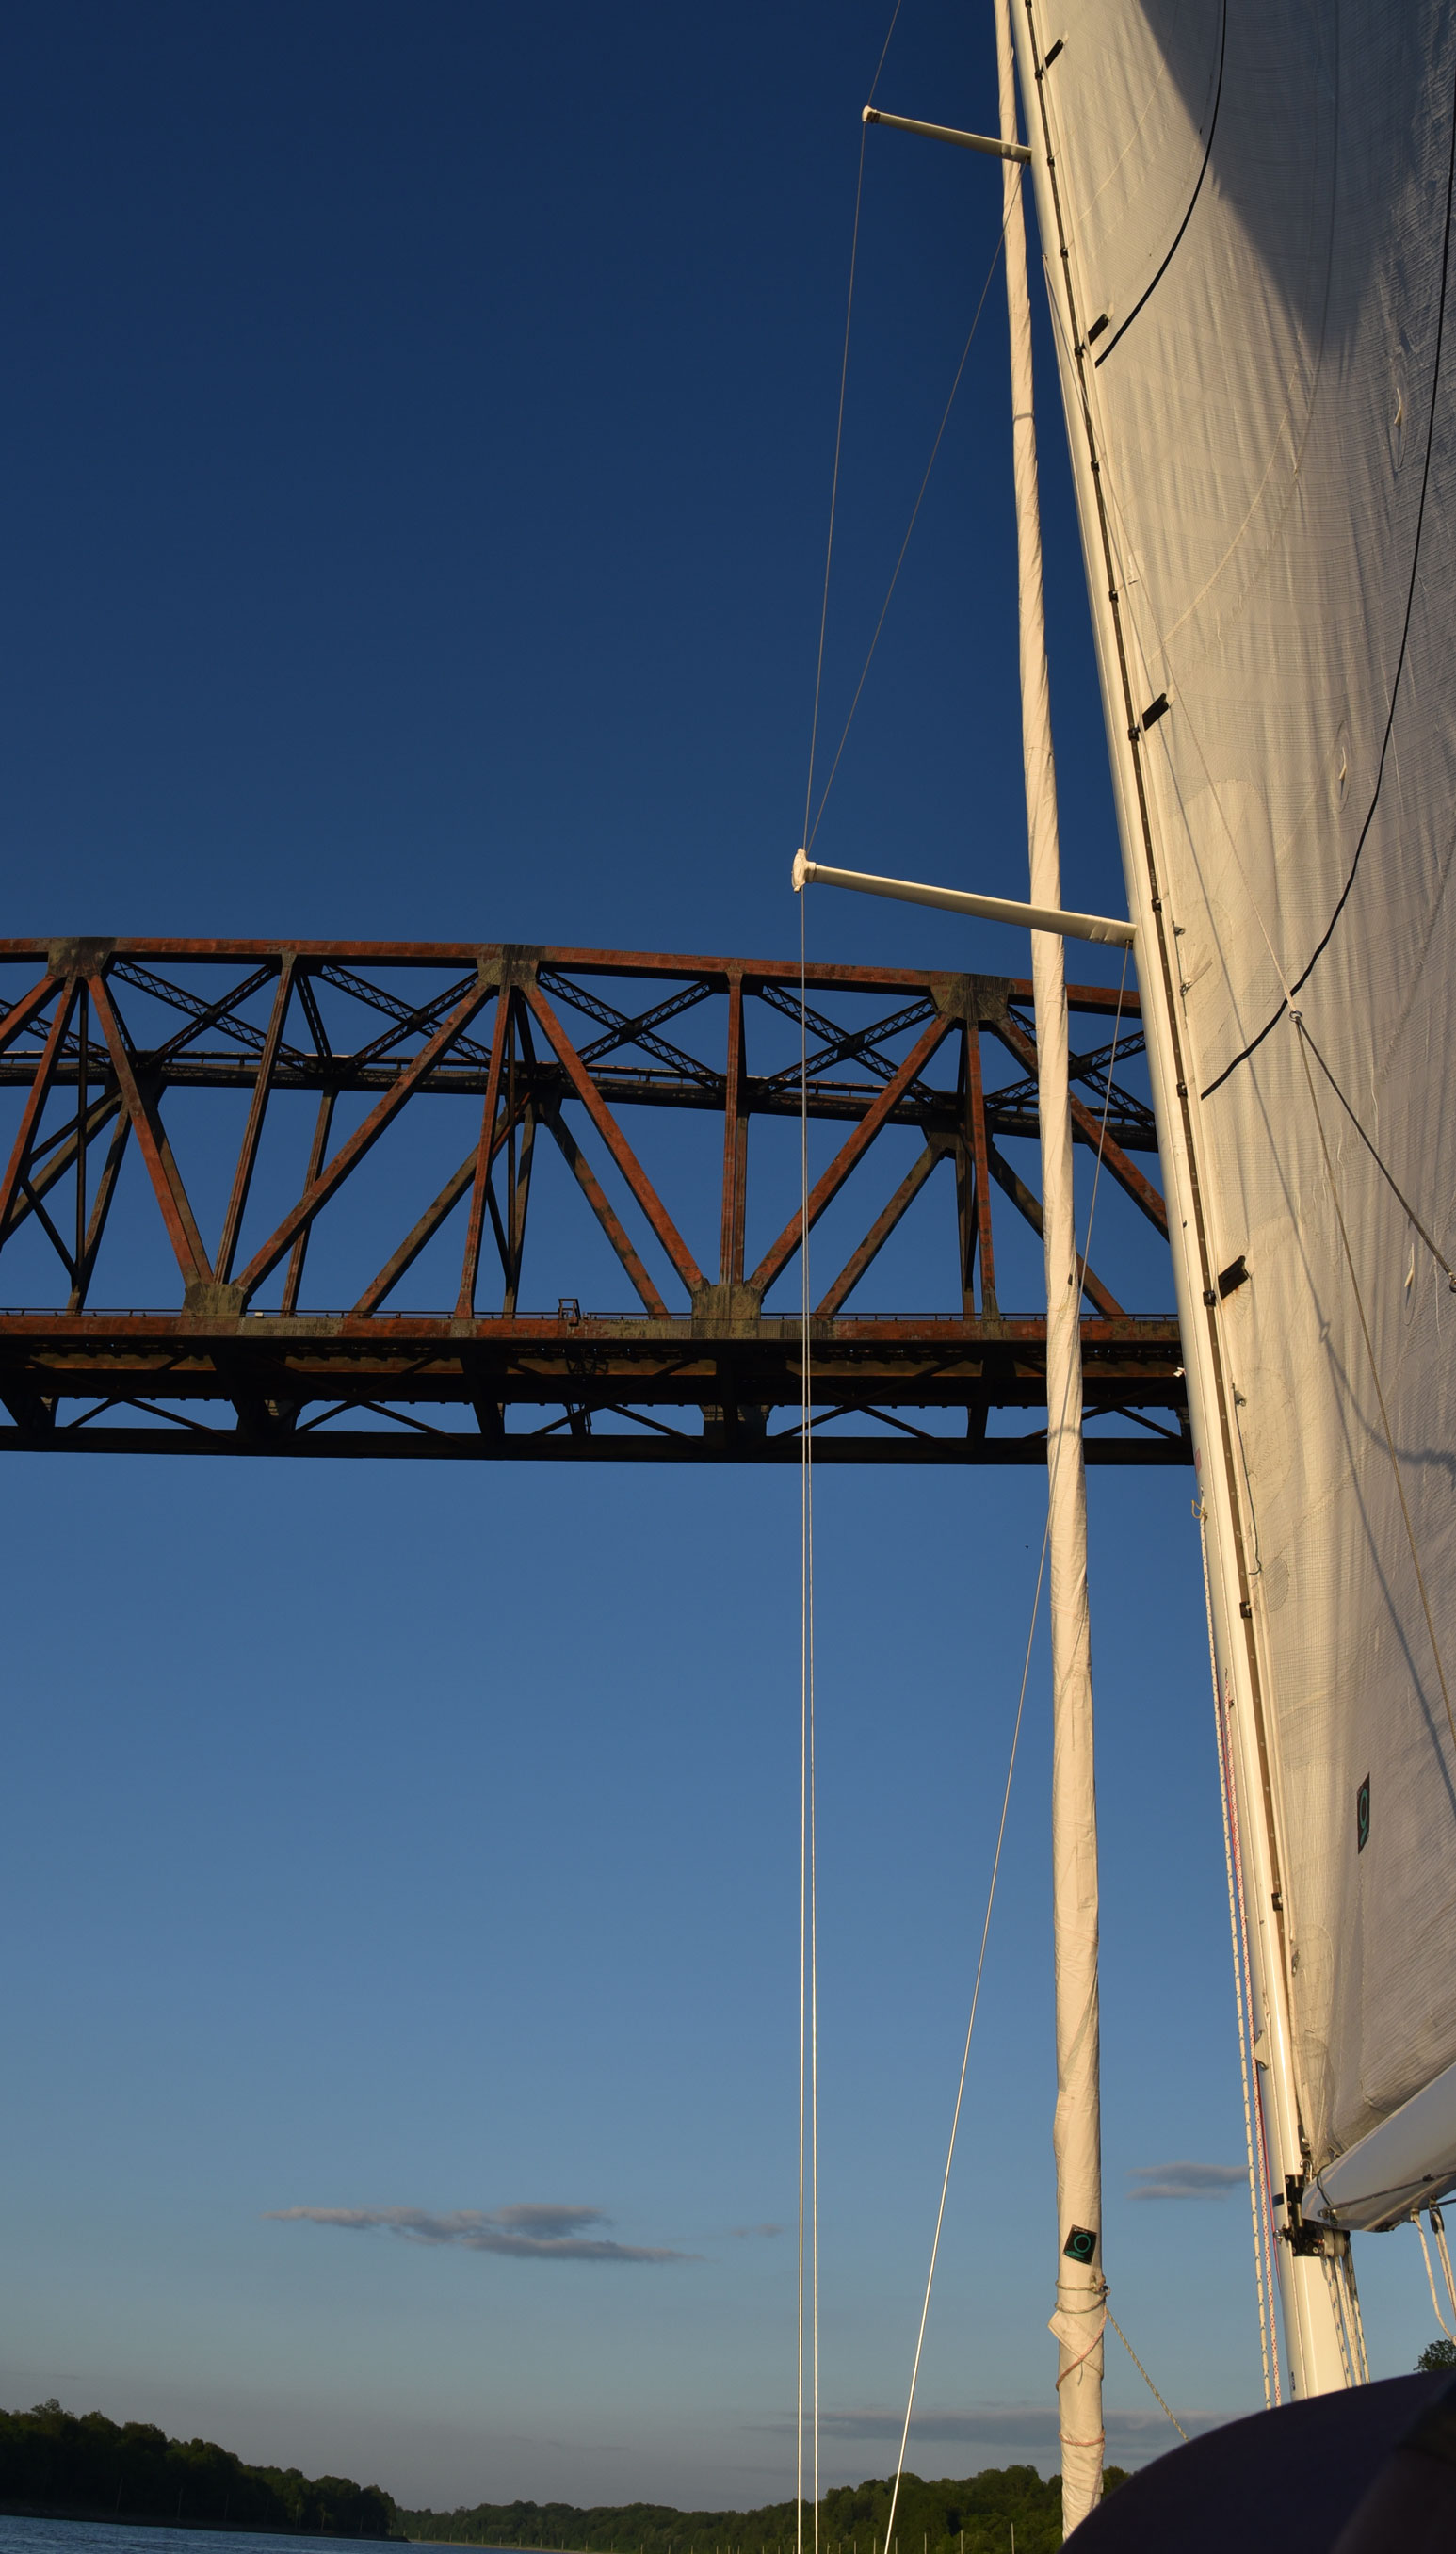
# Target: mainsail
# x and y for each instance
(1245, 209)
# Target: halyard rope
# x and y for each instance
(1142, 2371)
(1430, 2275)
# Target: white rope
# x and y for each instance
(1337, 2289)
(1255, 2210)
(1430, 2281)
(1354, 2319)
(1438, 2229)
(1142, 2371)
(1085, 1254)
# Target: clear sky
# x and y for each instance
(415, 464)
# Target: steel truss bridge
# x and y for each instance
(272, 1072)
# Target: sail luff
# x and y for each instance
(1079, 2317)
(1309, 2279)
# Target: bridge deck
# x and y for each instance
(158, 1087)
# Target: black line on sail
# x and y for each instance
(1223, 44)
(1430, 436)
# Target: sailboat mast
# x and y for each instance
(1321, 2324)
(1077, 2130)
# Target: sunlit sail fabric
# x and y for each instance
(1258, 208)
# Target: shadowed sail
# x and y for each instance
(1245, 216)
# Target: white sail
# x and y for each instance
(1248, 213)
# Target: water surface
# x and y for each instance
(102, 2536)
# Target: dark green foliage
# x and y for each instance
(929, 2519)
(91, 2468)
(1436, 2354)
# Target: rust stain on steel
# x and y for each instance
(719, 1382)
(827, 1186)
(359, 1143)
(622, 1153)
(156, 1151)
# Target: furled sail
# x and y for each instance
(1256, 213)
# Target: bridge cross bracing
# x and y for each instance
(223, 1206)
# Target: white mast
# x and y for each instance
(1321, 2324)
(1077, 2133)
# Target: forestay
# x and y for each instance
(1257, 200)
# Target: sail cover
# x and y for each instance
(1257, 197)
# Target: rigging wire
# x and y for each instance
(811, 829)
(808, 1934)
(1387, 1175)
(884, 49)
(854, 250)
(1425, 1605)
(1000, 1835)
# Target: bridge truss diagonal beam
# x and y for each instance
(420, 1279)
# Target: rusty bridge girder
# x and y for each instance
(117, 1059)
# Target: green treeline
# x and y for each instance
(54, 2464)
(932, 2518)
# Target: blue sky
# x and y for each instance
(415, 473)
